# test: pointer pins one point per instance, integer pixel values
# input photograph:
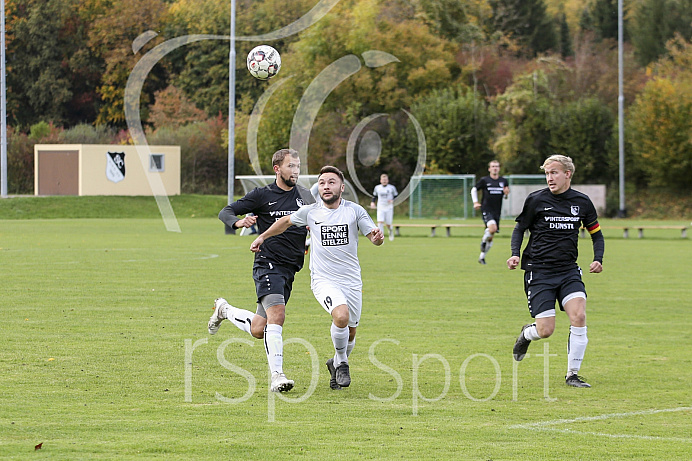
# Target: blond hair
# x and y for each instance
(563, 160)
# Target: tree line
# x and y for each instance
(516, 80)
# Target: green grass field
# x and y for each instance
(105, 355)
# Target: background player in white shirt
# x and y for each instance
(334, 267)
(384, 195)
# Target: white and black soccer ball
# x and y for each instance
(263, 62)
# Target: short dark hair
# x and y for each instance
(332, 169)
(281, 154)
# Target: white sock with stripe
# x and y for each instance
(274, 347)
(238, 317)
(576, 348)
(340, 340)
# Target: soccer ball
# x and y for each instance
(263, 62)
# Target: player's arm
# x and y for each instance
(524, 219)
(277, 228)
(367, 226)
(517, 239)
(376, 236)
(474, 197)
(598, 243)
(373, 203)
(229, 214)
(505, 191)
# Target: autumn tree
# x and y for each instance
(458, 126)
(172, 109)
(114, 26)
(526, 22)
(660, 123)
(50, 73)
(601, 18)
(202, 69)
(537, 121)
(657, 21)
(422, 63)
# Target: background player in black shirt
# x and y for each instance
(554, 216)
(494, 189)
(275, 267)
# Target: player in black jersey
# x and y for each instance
(554, 216)
(275, 267)
(494, 189)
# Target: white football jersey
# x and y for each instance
(334, 247)
(384, 194)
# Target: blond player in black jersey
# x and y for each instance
(553, 216)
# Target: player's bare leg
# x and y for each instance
(257, 326)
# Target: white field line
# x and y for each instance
(548, 425)
(186, 257)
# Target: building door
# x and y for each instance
(58, 172)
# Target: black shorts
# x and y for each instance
(488, 216)
(544, 289)
(272, 279)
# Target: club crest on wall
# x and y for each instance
(115, 166)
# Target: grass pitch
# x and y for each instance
(105, 355)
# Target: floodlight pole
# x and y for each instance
(622, 211)
(231, 115)
(3, 105)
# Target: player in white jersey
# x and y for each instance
(384, 195)
(334, 267)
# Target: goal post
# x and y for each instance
(442, 196)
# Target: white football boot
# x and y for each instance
(218, 315)
(280, 383)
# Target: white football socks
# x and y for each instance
(274, 347)
(350, 346)
(239, 317)
(486, 243)
(340, 340)
(576, 348)
(531, 333)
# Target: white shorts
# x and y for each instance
(385, 216)
(330, 295)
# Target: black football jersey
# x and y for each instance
(269, 204)
(554, 222)
(493, 193)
